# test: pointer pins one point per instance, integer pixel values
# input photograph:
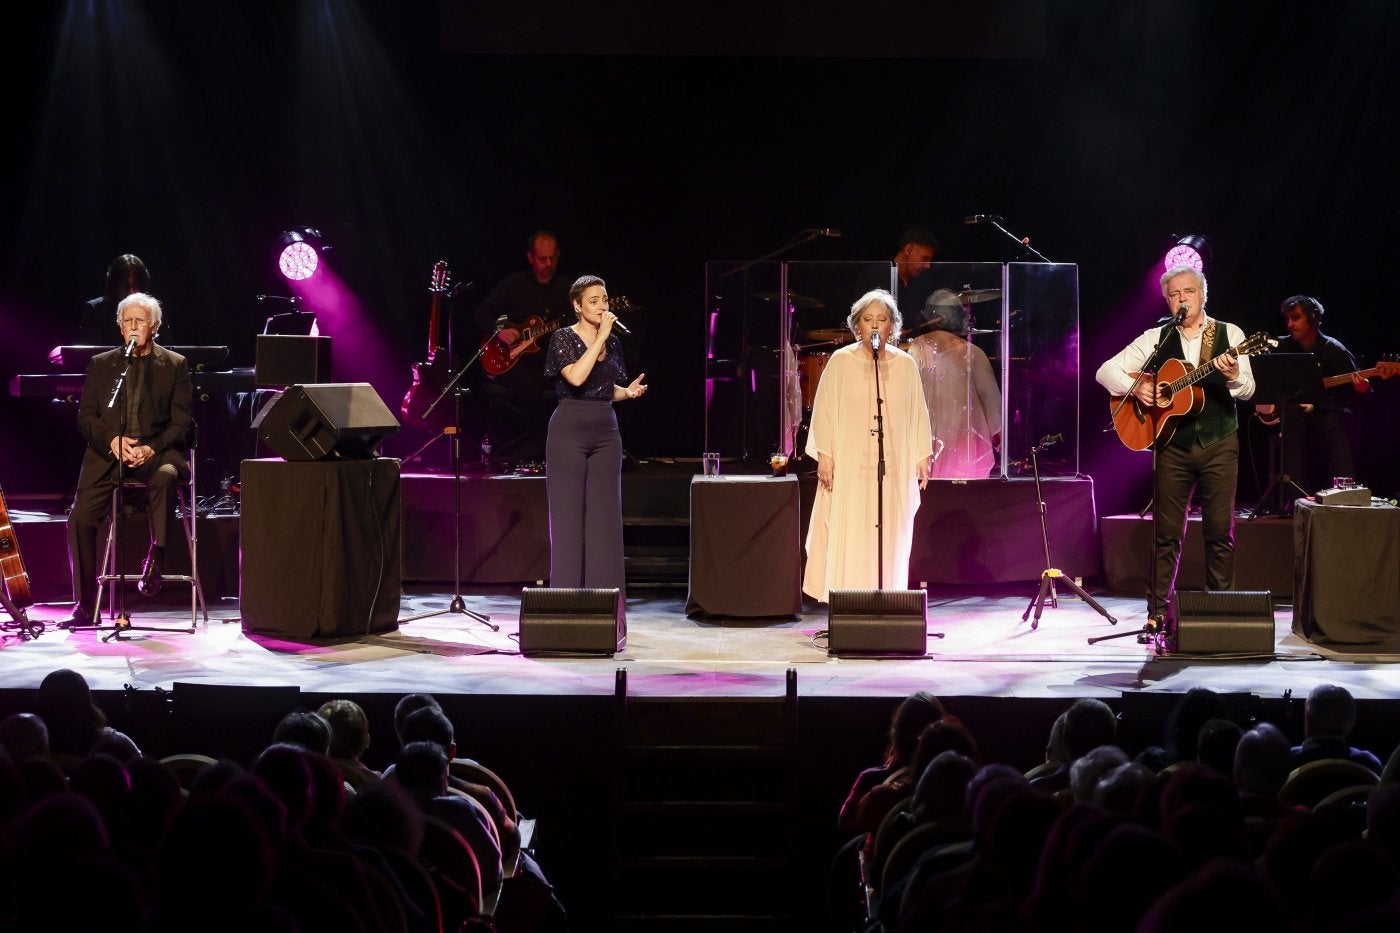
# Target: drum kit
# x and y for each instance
(812, 356)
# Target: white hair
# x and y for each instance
(1192, 271)
(869, 298)
(143, 300)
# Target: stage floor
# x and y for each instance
(985, 650)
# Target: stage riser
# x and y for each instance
(1263, 555)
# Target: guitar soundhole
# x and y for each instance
(1164, 394)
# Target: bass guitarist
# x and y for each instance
(1202, 452)
(518, 314)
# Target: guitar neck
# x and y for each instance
(532, 333)
(1204, 370)
(1331, 382)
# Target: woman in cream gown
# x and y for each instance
(841, 537)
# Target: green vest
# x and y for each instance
(1216, 420)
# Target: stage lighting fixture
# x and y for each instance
(1190, 250)
(298, 253)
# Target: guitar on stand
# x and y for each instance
(15, 594)
(431, 375)
(1177, 394)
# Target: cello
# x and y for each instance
(15, 596)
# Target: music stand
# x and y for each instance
(1287, 380)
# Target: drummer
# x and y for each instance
(911, 261)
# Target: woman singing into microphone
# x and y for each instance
(583, 452)
(842, 542)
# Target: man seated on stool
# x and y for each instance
(155, 403)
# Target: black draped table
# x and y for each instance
(745, 554)
(1346, 575)
(320, 547)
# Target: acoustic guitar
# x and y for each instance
(1177, 395)
(431, 376)
(498, 359)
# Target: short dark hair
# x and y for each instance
(918, 236)
(304, 728)
(581, 285)
(421, 768)
(429, 724)
(408, 705)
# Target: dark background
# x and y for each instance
(651, 142)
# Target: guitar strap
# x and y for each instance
(1207, 343)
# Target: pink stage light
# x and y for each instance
(1190, 250)
(298, 254)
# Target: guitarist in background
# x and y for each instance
(520, 400)
(1317, 444)
(1203, 452)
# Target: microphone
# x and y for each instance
(130, 348)
(823, 231)
(502, 323)
(983, 219)
(619, 326)
(462, 287)
(1180, 315)
(276, 298)
(875, 343)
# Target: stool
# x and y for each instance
(185, 499)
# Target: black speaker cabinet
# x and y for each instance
(284, 360)
(335, 420)
(878, 622)
(572, 621)
(1225, 622)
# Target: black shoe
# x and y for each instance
(151, 571)
(81, 618)
(1155, 626)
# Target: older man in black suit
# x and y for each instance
(143, 429)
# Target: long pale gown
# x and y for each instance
(964, 404)
(841, 537)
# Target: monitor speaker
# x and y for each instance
(878, 622)
(284, 360)
(572, 621)
(331, 421)
(1224, 622)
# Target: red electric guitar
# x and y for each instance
(432, 375)
(1177, 394)
(498, 359)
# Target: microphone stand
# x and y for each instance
(879, 432)
(458, 605)
(1022, 243)
(1051, 574)
(1148, 632)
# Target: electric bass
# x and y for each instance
(498, 359)
(1384, 370)
(1177, 395)
(431, 376)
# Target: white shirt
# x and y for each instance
(1115, 375)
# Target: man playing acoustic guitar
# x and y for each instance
(1199, 450)
(516, 319)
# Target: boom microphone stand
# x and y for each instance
(1050, 574)
(458, 605)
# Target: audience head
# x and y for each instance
(24, 736)
(382, 816)
(283, 768)
(430, 724)
(1055, 751)
(946, 735)
(1089, 724)
(1262, 761)
(1088, 768)
(303, 728)
(217, 861)
(407, 706)
(349, 728)
(911, 716)
(1330, 713)
(65, 705)
(941, 793)
(1222, 895)
(421, 769)
(1183, 726)
(1216, 743)
(1119, 790)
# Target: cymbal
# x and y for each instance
(831, 335)
(794, 299)
(974, 295)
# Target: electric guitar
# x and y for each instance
(431, 376)
(1177, 394)
(498, 359)
(1384, 370)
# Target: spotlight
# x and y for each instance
(1190, 250)
(297, 253)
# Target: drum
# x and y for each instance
(810, 368)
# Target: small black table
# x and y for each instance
(1346, 575)
(745, 550)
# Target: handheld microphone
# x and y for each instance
(130, 347)
(619, 326)
(983, 219)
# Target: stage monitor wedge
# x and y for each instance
(331, 421)
(1224, 622)
(877, 623)
(570, 621)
